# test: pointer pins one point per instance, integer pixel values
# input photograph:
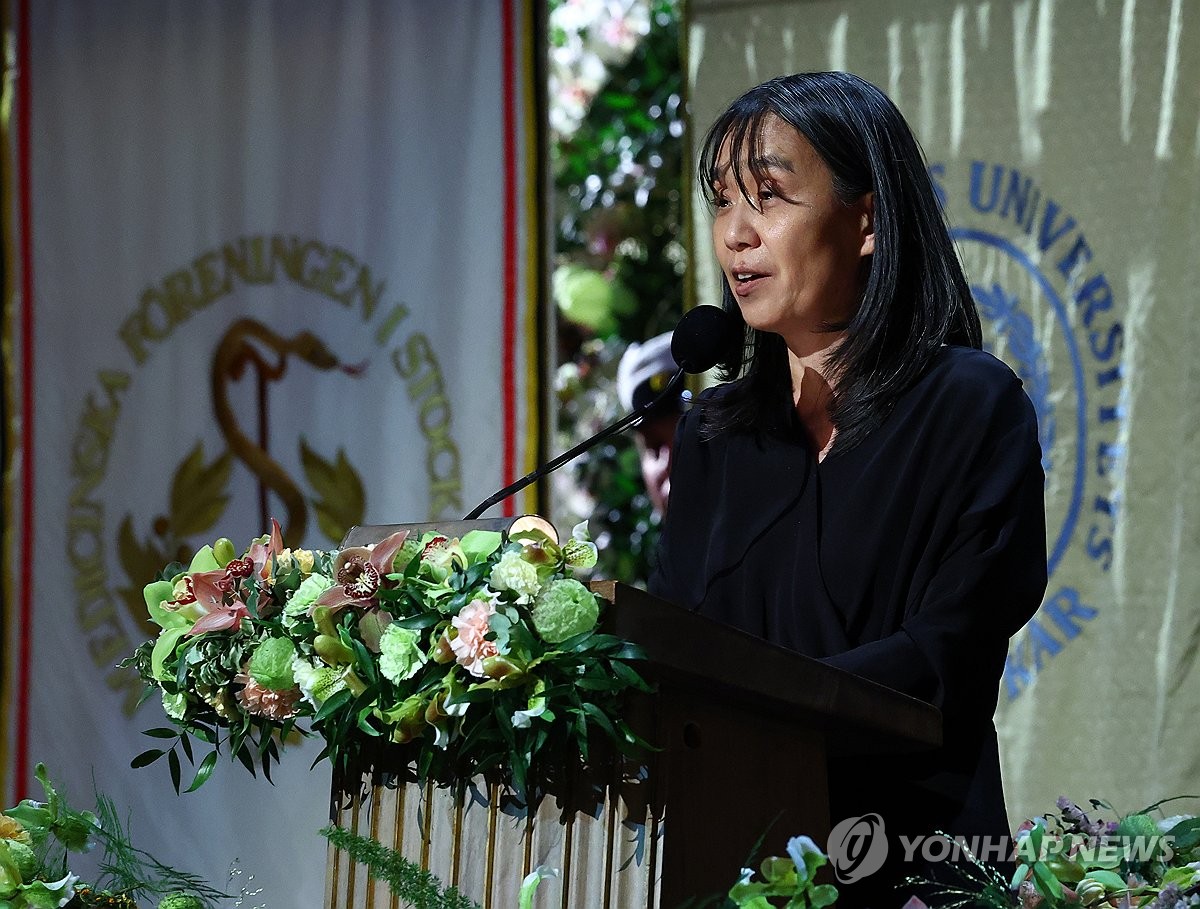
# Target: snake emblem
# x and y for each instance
(198, 496)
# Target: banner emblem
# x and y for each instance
(1047, 310)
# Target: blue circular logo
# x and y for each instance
(1028, 326)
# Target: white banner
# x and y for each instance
(270, 259)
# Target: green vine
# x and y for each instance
(406, 879)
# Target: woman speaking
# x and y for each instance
(866, 485)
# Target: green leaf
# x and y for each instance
(1036, 837)
(204, 772)
(1019, 875)
(204, 733)
(420, 621)
(1186, 834)
(822, 895)
(161, 732)
(185, 742)
(176, 770)
(477, 546)
(1181, 877)
(365, 726)
(333, 705)
(1047, 882)
(1157, 804)
(247, 759)
(164, 647)
(146, 758)
(1110, 879)
(630, 676)
(598, 716)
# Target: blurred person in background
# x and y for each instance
(644, 371)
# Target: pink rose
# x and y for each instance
(470, 646)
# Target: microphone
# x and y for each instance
(700, 340)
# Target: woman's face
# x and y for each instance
(791, 252)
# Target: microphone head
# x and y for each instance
(702, 338)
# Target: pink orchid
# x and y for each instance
(260, 554)
(359, 572)
(207, 592)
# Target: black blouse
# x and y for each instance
(909, 559)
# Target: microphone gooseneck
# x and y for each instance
(698, 343)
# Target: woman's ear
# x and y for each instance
(867, 224)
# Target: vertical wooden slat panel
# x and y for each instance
(442, 813)
(456, 859)
(426, 822)
(352, 868)
(546, 848)
(612, 808)
(398, 798)
(486, 850)
(473, 860)
(567, 870)
(587, 861)
(654, 872)
(490, 862)
(508, 872)
(370, 884)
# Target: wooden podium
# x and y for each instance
(746, 732)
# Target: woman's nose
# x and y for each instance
(739, 229)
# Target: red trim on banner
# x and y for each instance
(25, 614)
(508, 377)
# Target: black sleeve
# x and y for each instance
(985, 577)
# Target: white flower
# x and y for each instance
(513, 573)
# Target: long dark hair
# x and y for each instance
(915, 297)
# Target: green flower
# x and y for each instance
(317, 683)
(400, 653)
(18, 865)
(410, 550)
(564, 609)
(579, 551)
(175, 705)
(307, 593)
(271, 664)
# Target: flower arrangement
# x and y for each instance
(1069, 860)
(36, 839)
(1080, 859)
(481, 655)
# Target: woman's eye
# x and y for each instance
(766, 193)
(720, 201)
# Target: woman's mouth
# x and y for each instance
(745, 282)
